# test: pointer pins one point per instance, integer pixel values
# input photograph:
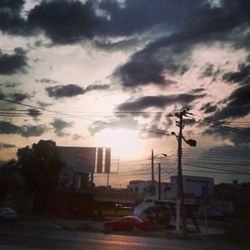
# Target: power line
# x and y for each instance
(205, 167)
(43, 109)
(224, 127)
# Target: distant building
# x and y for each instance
(195, 187)
(147, 189)
(238, 194)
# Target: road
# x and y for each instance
(14, 237)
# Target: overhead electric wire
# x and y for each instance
(218, 124)
(43, 109)
(168, 164)
(205, 167)
(15, 113)
(205, 120)
(224, 163)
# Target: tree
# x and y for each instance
(40, 167)
(8, 181)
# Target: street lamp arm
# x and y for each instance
(161, 156)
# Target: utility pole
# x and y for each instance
(107, 179)
(152, 167)
(159, 180)
(180, 203)
(152, 173)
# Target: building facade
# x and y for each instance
(194, 187)
(150, 190)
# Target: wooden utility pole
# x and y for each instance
(180, 191)
(152, 174)
(152, 167)
(159, 180)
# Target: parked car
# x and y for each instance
(7, 213)
(128, 223)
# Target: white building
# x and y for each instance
(147, 190)
(194, 187)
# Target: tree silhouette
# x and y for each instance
(40, 167)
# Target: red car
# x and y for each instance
(128, 223)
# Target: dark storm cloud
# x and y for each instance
(71, 90)
(2, 95)
(150, 65)
(240, 153)
(96, 87)
(25, 131)
(137, 16)
(43, 104)
(6, 146)
(197, 91)
(192, 15)
(34, 113)
(18, 97)
(29, 131)
(46, 80)
(63, 21)
(61, 91)
(68, 21)
(13, 63)
(237, 104)
(241, 76)
(157, 126)
(10, 18)
(59, 125)
(120, 122)
(236, 135)
(157, 101)
(11, 84)
(12, 98)
(76, 137)
(208, 108)
(124, 44)
(170, 53)
(8, 128)
(137, 72)
(210, 71)
(12, 4)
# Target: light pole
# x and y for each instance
(158, 156)
(159, 181)
(180, 202)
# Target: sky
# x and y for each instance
(113, 73)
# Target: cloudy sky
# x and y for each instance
(114, 72)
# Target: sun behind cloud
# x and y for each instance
(122, 141)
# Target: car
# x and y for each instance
(7, 213)
(128, 223)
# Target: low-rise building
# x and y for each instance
(194, 187)
(238, 194)
(150, 190)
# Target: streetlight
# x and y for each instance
(158, 156)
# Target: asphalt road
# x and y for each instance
(13, 238)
